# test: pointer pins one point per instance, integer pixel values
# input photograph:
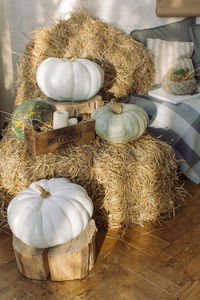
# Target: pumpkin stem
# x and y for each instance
(43, 194)
(73, 58)
(117, 109)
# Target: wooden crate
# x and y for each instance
(49, 141)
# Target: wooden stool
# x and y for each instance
(71, 260)
(77, 107)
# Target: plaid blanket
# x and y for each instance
(178, 125)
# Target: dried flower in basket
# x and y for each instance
(179, 82)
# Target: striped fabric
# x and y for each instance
(168, 55)
(178, 125)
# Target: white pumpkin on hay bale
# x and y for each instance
(127, 64)
(129, 183)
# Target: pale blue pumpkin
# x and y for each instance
(120, 123)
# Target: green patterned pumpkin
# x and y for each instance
(32, 109)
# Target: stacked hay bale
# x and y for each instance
(127, 64)
(132, 183)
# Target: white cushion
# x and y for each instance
(168, 55)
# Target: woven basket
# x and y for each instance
(184, 87)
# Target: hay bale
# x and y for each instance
(128, 65)
(129, 184)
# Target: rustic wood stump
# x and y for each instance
(32, 262)
(77, 107)
(71, 260)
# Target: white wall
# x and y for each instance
(18, 18)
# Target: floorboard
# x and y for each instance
(158, 261)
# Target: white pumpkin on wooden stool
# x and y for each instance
(49, 212)
(64, 79)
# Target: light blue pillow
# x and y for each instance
(176, 31)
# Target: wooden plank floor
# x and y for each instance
(160, 261)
